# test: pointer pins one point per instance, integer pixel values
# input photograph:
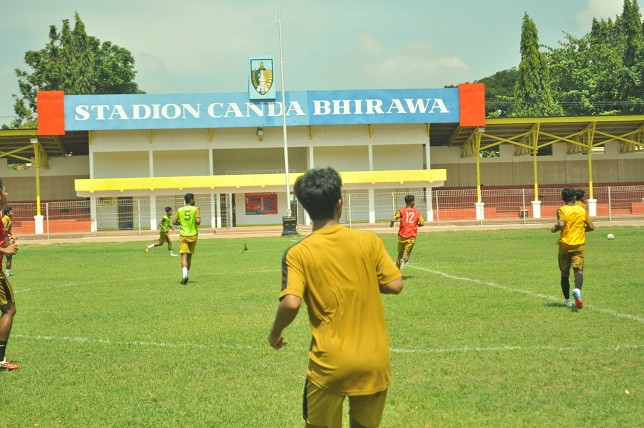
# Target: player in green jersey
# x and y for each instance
(188, 218)
(164, 233)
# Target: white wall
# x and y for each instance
(264, 159)
(561, 167)
(398, 157)
(180, 163)
(121, 165)
(355, 158)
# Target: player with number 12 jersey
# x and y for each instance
(410, 219)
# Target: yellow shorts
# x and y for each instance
(324, 408)
(6, 292)
(187, 244)
(164, 237)
(571, 256)
(405, 245)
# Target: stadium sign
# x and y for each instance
(235, 110)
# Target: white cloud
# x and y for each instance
(600, 9)
(416, 63)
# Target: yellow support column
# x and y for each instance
(479, 205)
(536, 175)
(40, 156)
(591, 138)
(590, 172)
(535, 152)
(478, 166)
(37, 159)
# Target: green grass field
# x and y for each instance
(107, 336)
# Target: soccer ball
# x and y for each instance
(610, 236)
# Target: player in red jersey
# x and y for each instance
(410, 219)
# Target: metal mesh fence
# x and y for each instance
(362, 209)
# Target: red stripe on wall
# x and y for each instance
(472, 104)
(51, 112)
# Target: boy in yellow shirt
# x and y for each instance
(340, 274)
(573, 221)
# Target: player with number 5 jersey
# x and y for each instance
(410, 219)
(188, 218)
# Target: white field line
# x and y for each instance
(23, 290)
(510, 348)
(128, 343)
(395, 350)
(529, 293)
(466, 349)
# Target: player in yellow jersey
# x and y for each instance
(340, 273)
(7, 220)
(188, 218)
(573, 221)
(580, 198)
(164, 233)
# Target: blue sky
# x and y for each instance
(202, 46)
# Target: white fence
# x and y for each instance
(128, 216)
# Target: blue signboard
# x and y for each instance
(236, 110)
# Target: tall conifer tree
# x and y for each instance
(632, 29)
(532, 90)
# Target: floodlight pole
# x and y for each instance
(288, 184)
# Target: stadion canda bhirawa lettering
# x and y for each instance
(217, 110)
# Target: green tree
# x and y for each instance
(532, 90)
(603, 72)
(632, 30)
(499, 92)
(632, 72)
(76, 63)
(585, 72)
(600, 73)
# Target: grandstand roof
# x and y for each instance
(547, 130)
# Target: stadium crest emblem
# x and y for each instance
(262, 75)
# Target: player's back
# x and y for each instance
(409, 218)
(574, 232)
(188, 220)
(339, 270)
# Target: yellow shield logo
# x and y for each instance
(262, 76)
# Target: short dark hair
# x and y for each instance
(7, 210)
(579, 194)
(319, 190)
(188, 197)
(409, 199)
(168, 209)
(568, 194)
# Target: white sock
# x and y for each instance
(150, 246)
(8, 272)
(170, 251)
(185, 271)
